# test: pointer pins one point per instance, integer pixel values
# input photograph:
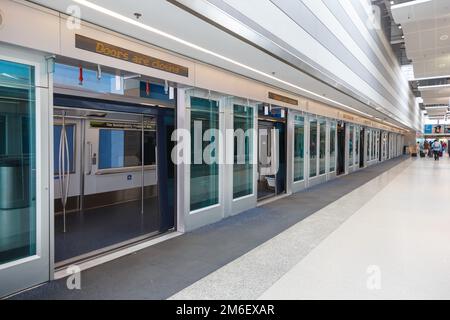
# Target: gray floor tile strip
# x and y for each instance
(249, 276)
(165, 269)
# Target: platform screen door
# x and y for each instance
(24, 182)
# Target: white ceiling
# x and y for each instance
(442, 111)
(155, 13)
(437, 113)
(436, 96)
(426, 27)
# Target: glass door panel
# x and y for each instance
(333, 146)
(243, 151)
(313, 148)
(350, 146)
(204, 180)
(106, 181)
(322, 146)
(17, 162)
(24, 259)
(299, 148)
(357, 142)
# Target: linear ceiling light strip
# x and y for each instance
(212, 53)
(408, 4)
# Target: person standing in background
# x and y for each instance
(422, 149)
(448, 149)
(426, 147)
(437, 148)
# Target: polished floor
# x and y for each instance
(92, 230)
(258, 253)
(393, 243)
(181, 264)
(396, 246)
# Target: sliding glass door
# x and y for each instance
(17, 165)
(204, 180)
(243, 151)
(24, 259)
(357, 145)
(350, 145)
(313, 148)
(332, 146)
(322, 146)
(299, 148)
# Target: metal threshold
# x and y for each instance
(62, 272)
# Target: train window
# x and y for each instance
(66, 75)
(123, 148)
(70, 129)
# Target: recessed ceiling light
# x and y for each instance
(399, 27)
(443, 37)
(434, 86)
(409, 3)
(434, 77)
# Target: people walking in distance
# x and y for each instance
(422, 149)
(430, 149)
(437, 149)
(448, 147)
(426, 147)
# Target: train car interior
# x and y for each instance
(113, 183)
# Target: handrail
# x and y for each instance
(67, 172)
(64, 171)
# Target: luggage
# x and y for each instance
(422, 154)
(414, 154)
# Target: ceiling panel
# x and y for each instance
(426, 27)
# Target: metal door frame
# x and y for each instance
(82, 173)
(259, 199)
(233, 205)
(296, 186)
(27, 272)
